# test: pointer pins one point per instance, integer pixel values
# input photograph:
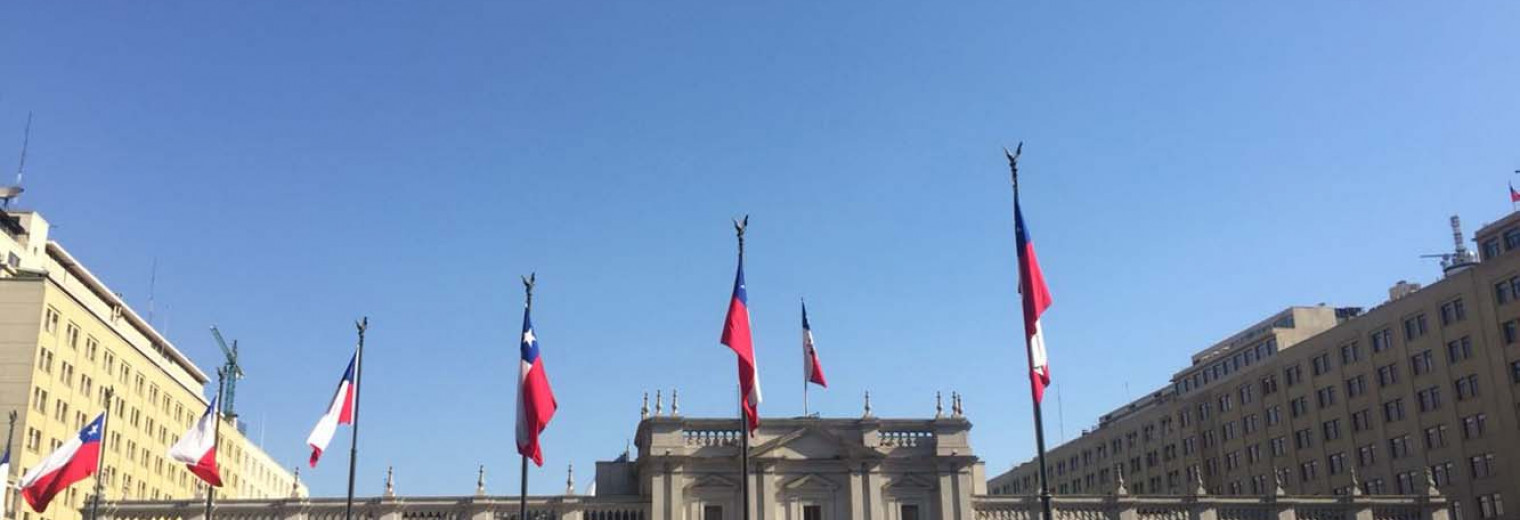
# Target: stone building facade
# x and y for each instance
(802, 469)
(1326, 400)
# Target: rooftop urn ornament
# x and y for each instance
(570, 479)
(675, 403)
(644, 410)
(955, 404)
(868, 404)
(939, 405)
(659, 404)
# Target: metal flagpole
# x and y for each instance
(5, 479)
(1039, 420)
(743, 419)
(353, 448)
(522, 497)
(221, 383)
(807, 361)
(100, 463)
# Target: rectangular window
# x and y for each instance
(1356, 386)
(1320, 364)
(1382, 340)
(1467, 387)
(1459, 350)
(1366, 456)
(713, 512)
(1414, 327)
(1350, 353)
(1435, 437)
(1421, 363)
(1393, 410)
(1298, 407)
(1325, 397)
(1452, 312)
(1398, 447)
(1388, 374)
(1361, 420)
(812, 512)
(1511, 331)
(1490, 506)
(1269, 385)
(1332, 429)
(1274, 415)
(1473, 426)
(1293, 374)
(1482, 465)
(1429, 399)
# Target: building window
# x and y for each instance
(1366, 456)
(1442, 473)
(1388, 374)
(1293, 374)
(1325, 397)
(1429, 399)
(812, 512)
(1473, 425)
(50, 320)
(1414, 327)
(1421, 363)
(1303, 439)
(1274, 415)
(1332, 429)
(1269, 385)
(1490, 506)
(1435, 437)
(1467, 387)
(1337, 463)
(1361, 420)
(1459, 350)
(1482, 465)
(1298, 407)
(1356, 386)
(1382, 340)
(1511, 332)
(1350, 353)
(1320, 364)
(1398, 447)
(1393, 410)
(908, 512)
(1452, 312)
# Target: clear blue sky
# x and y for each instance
(1190, 168)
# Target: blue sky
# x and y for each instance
(1190, 167)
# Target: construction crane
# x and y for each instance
(233, 370)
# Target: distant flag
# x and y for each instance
(340, 411)
(812, 371)
(535, 400)
(5, 480)
(197, 449)
(736, 335)
(1036, 298)
(72, 462)
(1514, 196)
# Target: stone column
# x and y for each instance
(874, 501)
(946, 488)
(857, 491)
(677, 499)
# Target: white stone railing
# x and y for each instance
(1209, 507)
(904, 438)
(710, 437)
(410, 508)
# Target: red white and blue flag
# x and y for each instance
(1036, 298)
(74, 461)
(812, 370)
(535, 400)
(736, 335)
(1514, 196)
(197, 449)
(340, 411)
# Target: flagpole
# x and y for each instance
(743, 419)
(100, 462)
(522, 496)
(216, 433)
(1039, 420)
(5, 480)
(807, 359)
(353, 448)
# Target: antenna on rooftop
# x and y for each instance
(1460, 258)
(10, 193)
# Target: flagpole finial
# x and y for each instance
(362, 325)
(1013, 161)
(659, 404)
(570, 479)
(955, 404)
(644, 409)
(675, 403)
(740, 224)
(480, 481)
(528, 283)
(939, 405)
(868, 404)
(390, 481)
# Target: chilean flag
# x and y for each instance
(535, 400)
(197, 449)
(74, 461)
(736, 335)
(341, 411)
(1514, 196)
(1036, 299)
(812, 370)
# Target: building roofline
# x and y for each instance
(98, 287)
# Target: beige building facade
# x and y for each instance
(1420, 388)
(65, 337)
